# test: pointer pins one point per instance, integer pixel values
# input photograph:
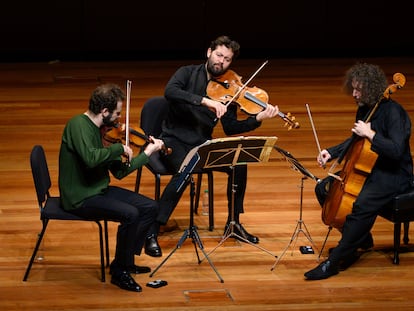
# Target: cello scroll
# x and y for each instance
(399, 80)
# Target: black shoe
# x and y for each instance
(139, 269)
(151, 247)
(323, 271)
(125, 281)
(348, 261)
(240, 231)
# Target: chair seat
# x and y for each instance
(401, 208)
(400, 211)
(53, 210)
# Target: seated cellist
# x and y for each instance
(388, 131)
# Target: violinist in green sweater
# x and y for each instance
(84, 181)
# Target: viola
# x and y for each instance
(137, 137)
(359, 161)
(229, 88)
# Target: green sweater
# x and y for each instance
(84, 163)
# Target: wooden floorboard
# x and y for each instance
(36, 100)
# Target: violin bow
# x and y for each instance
(247, 82)
(314, 131)
(128, 103)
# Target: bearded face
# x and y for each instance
(219, 60)
(109, 120)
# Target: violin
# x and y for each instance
(118, 133)
(359, 161)
(229, 88)
(137, 137)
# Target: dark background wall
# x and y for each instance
(151, 29)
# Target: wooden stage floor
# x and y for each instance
(36, 100)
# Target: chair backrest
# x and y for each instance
(153, 113)
(40, 172)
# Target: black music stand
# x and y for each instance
(186, 170)
(295, 165)
(217, 153)
(231, 152)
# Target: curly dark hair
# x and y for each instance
(372, 80)
(228, 43)
(105, 96)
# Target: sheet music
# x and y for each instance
(224, 151)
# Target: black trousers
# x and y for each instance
(374, 195)
(135, 212)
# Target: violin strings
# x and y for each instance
(247, 82)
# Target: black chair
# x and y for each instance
(400, 211)
(51, 209)
(153, 114)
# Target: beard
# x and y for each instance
(108, 122)
(215, 70)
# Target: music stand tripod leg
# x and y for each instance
(197, 240)
(230, 229)
(298, 228)
(307, 235)
(190, 232)
(180, 242)
(293, 238)
(227, 234)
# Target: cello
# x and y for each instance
(359, 161)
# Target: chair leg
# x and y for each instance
(198, 192)
(397, 237)
(406, 229)
(39, 240)
(157, 193)
(101, 250)
(138, 179)
(106, 242)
